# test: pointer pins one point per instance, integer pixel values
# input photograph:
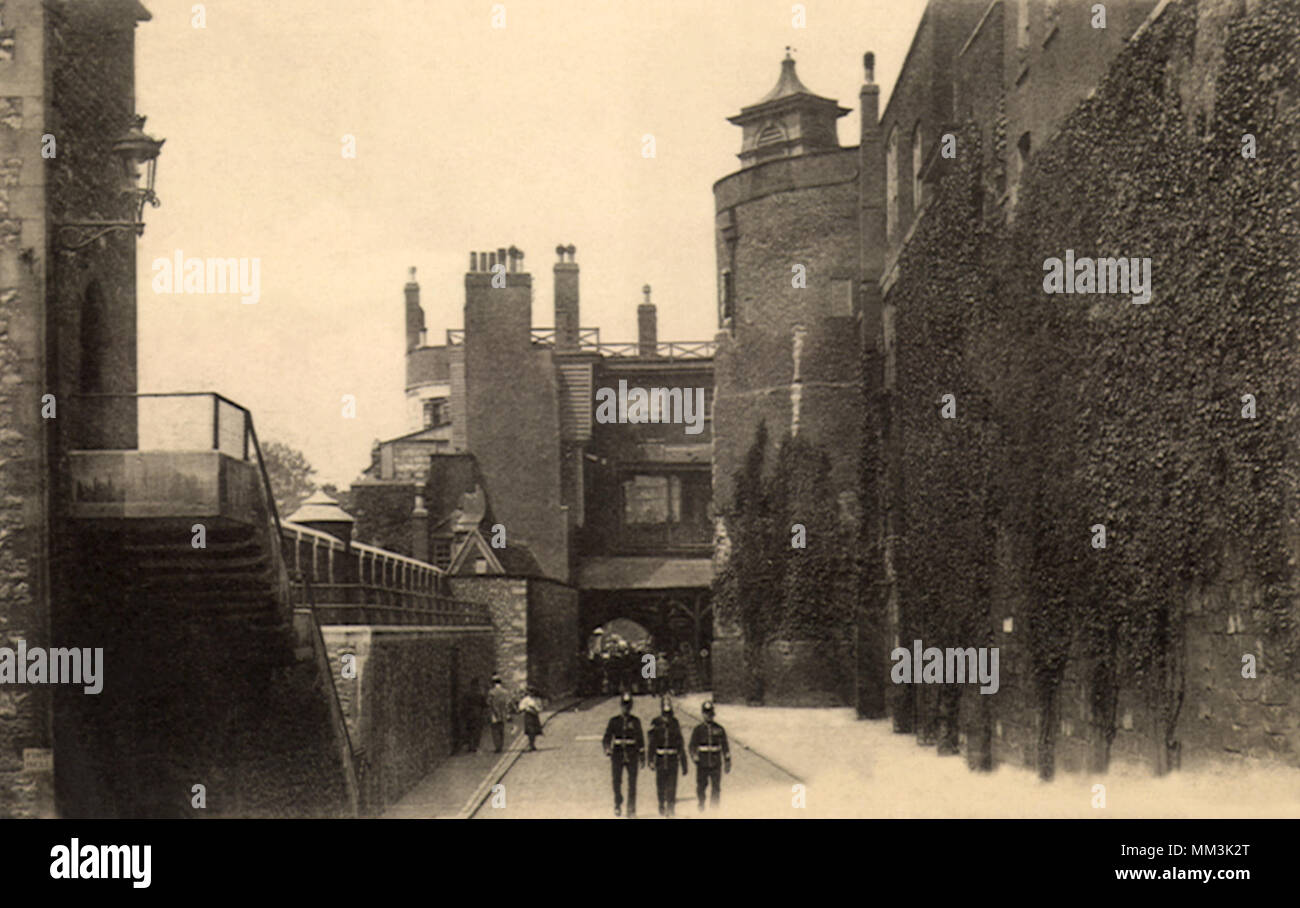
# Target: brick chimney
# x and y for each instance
(871, 206)
(414, 314)
(419, 529)
(647, 326)
(566, 299)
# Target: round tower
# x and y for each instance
(787, 240)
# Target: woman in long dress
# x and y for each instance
(531, 707)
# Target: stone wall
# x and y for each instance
(1175, 642)
(507, 599)
(788, 361)
(537, 634)
(553, 637)
(402, 702)
(24, 714)
(793, 211)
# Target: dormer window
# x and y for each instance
(790, 120)
(772, 134)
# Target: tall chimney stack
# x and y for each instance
(871, 209)
(566, 299)
(647, 326)
(414, 314)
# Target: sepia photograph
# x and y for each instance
(851, 410)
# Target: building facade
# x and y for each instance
(531, 471)
(808, 239)
(67, 320)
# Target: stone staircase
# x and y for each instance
(211, 679)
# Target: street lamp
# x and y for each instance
(137, 155)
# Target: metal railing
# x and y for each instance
(589, 341)
(354, 583)
(365, 603)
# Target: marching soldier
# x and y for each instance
(710, 753)
(667, 753)
(625, 746)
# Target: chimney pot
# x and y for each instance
(566, 299)
(647, 328)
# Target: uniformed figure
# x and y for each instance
(500, 707)
(625, 747)
(667, 753)
(711, 754)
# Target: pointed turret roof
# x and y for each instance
(790, 120)
(320, 508)
(788, 84)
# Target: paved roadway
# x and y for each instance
(568, 776)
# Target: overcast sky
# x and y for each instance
(467, 137)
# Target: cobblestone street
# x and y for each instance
(854, 769)
(569, 776)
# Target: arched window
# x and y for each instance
(891, 184)
(918, 161)
(726, 300)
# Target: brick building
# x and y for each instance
(1015, 128)
(808, 235)
(513, 479)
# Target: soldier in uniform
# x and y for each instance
(625, 746)
(710, 753)
(667, 753)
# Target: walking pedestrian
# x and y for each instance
(500, 707)
(474, 711)
(531, 707)
(625, 746)
(662, 674)
(667, 754)
(710, 753)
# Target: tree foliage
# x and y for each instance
(290, 475)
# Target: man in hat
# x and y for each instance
(710, 753)
(667, 753)
(473, 710)
(625, 746)
(500, 705)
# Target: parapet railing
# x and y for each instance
(589, 342)
(363, 584)
(179, 421)
(363, 603)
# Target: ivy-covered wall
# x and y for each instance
(784, 599)
(1079, 411)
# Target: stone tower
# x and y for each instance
(787, 241)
